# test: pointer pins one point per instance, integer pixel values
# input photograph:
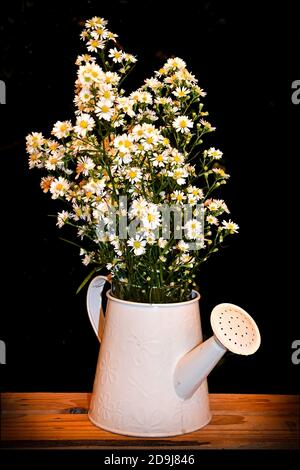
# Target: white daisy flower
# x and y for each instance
(138, 245)
(111, 78)
(159, 159)
(151, 218)
(106, 93)
(54, 160)
(230, 226)
(122, 158)
(179, 174)
(62, 217)
(176, 158)
(104, 109)
(84, 124)
(220, 172)
(116, 55)
(216, 205)
(182, 246)
(178, 196)
(183, 124)
(212, 220)
(94, 44)
(162, 242)
(134, 174)
(181, 92)
(59, 187)
(153, 83)
(34, 141)
(175, 62)
(214, 153)
(85, 95)
(193, 229)
(62, 129)
(138, 208)
(84, 166)
(129, 58)
(126, 105)
(124, 143)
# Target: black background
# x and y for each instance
(246, 56)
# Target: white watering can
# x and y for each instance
(152, 366)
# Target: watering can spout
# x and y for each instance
(195, 366)
(234, 330)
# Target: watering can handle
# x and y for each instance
(94, 304)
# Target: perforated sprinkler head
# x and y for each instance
(235, 329)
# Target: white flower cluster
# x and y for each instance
(147, 146)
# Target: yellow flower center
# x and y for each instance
(127, 143)
(132, 174)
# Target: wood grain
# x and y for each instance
(47, 420)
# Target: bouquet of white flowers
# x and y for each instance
(132, 171)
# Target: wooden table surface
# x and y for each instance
(59, 420)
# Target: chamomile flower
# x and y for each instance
(193, 229)
(182, 246)
(159, 159)
(129, 58)
(106, 92)
(133, 174)
(138, 208)
(95, 22)
(35, 160)
(151, 218)
(85, 95)
(84, 166)
(178, 196)
(176, 158)
(124, 143)
(179, 174)
(46, 183)
(84, 124)
(162, 243)
(59, 187)
(34, 141)
(111, 78)
(214, 153)
(116, 55)
(175, 63)
(181, 92)
(94, 44)
(230, 226)
(153, 83)
(62, 217)
(62, 129)
(138, 245)
(212, 220)
(216, 205)
(183, 124)
(104, 109)
(53, 160)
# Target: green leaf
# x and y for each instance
(88, 277)
(70, 242)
